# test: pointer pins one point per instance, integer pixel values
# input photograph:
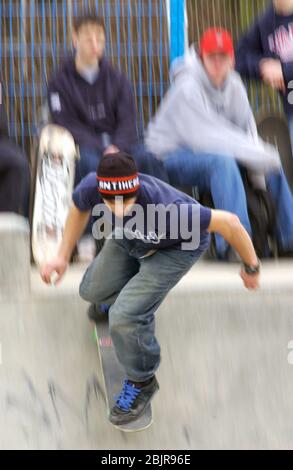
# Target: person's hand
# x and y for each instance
(58, 266)
(251, 282)
(111, 149)
(272, 74)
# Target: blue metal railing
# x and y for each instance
(177, 28)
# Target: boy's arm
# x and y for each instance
(228, 225)
(75, 224)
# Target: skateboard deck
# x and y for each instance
(113, 376)
(273, 128)
(53, 191)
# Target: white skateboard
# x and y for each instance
(53, 191)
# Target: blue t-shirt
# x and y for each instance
(183, 225)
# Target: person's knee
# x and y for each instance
(84, 292)
(120, 319)
(91, 292)
(89, 295)
(95, 286)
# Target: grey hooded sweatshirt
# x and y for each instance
(196, 115)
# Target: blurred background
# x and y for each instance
(35, 37)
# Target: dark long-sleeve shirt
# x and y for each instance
(90, 110)
(271, 36)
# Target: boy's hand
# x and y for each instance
(57, 265)
(251, 281)
(272, 74)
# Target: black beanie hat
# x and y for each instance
(117, 176)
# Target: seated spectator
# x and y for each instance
(265, 52)
(205, 128)
(94, 102)
(14, 170)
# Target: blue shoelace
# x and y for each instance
(105, 308)
(127, 396)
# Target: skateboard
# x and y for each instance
(54, 183)
(113, 375)
(273, 128)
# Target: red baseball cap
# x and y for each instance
(216, 40)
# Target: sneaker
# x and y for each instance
(98, 313)
(132, 401)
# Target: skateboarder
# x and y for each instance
(265, 52)
(141, 262)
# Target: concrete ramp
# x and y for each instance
(226, 376)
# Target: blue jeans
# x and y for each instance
(146, 162)
(218, 174)
(89, 160)
(281, 193)
(134, 288)
(221, 176)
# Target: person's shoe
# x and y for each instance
(97, 313)
(132, 401)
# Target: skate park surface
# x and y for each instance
(226, 377)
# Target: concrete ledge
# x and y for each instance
(204, 277)
(223, 277)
